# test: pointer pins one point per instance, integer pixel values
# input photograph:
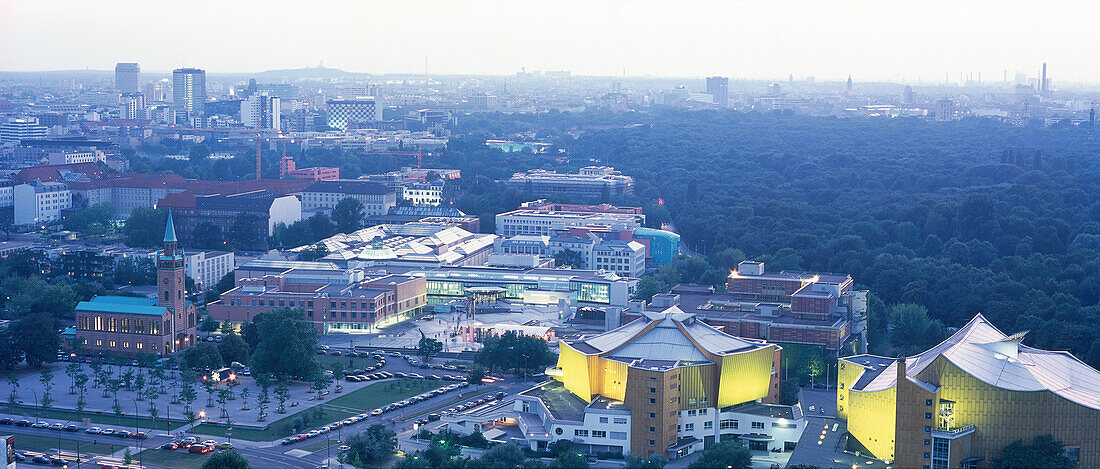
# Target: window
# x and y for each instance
(620, 421)
(708, 425)
(703, 411)
(928, 402)
(726, 424)
(928, 416)
(652, 430)
(758, 425)
(652, 415)
(581, 433)
(651, 442)
(599, 434)
(653, 390)
(653, 401)
(618, 435)
(689, 427)
(691, 412)
(927, 442)
(603, 419)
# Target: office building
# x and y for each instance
(960, 403)
(287, 168)
(591, 181)
(64, 157)
(189, 90)
(626, 258)
(331, 303)
(665, 384)
(40, 203)
(345, 113)
(127, 77)
(131, 106)
(324, 195)
(207, 267)
(262, 111)
(15, 130)
(945, 110)
(132, 325)
(718, 88)
(260, 211)
(544, 222)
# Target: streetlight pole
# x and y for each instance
(35, 405)
(135, 417)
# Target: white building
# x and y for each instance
(73, 157)
(18, 129)
(590, 181)
(207, 267)
(626, 258)
(541, 222)
(423, 194)
(7, 193)
(132, 106)
(41, 202)
(324, 195)
(262, 111)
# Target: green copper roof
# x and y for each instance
(117, 305)
(170, 230)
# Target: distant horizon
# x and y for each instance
(908, 42)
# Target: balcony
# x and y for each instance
(953, 433)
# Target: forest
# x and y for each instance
(955, 218)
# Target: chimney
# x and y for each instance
(901, 370)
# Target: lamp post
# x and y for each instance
(35, 405)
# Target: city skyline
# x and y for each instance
(746, 40)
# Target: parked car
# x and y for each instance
(199, 449)
(41, 425)
(93, 431)
(171, 446)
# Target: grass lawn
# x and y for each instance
(174, 459)
(336, 408)
(321, 445)
(48, 445)
(101, 419)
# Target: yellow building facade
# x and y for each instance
(960, 403)
(665, 363)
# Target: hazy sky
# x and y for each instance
(880, 39)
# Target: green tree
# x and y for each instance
(428, 347)
(374, 445)
(233, 349)
(46, 378)
(912, 331)
(229, 459)
(144, 227)
(287, 346)
(569, 257)
(248, 232)
(1044, 452)
(204, 356)
(10, 352)
(724, 455)
(36, 335)
(655, 461)
(348, 215)
(209, 236)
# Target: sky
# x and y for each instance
(870, 40)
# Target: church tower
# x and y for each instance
(171, 282)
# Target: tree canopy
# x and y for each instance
(287, 346)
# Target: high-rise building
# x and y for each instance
(157, 91)
(132, 106)
(718, 87)
(262, 111)
(945, 110)
(127, 77)
(908, 97)
(848, 87)
(342, 112)
(189, 90)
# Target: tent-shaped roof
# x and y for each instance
(667, 335)
(987, 354)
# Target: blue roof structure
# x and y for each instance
(122, 305)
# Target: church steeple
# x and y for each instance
(170, 230)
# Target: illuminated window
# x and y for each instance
(125, 345)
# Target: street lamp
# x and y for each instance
(35, 405)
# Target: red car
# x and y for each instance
(200, 449)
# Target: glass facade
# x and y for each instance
(591, 292)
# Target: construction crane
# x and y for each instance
(419, 154)
(259, 133)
